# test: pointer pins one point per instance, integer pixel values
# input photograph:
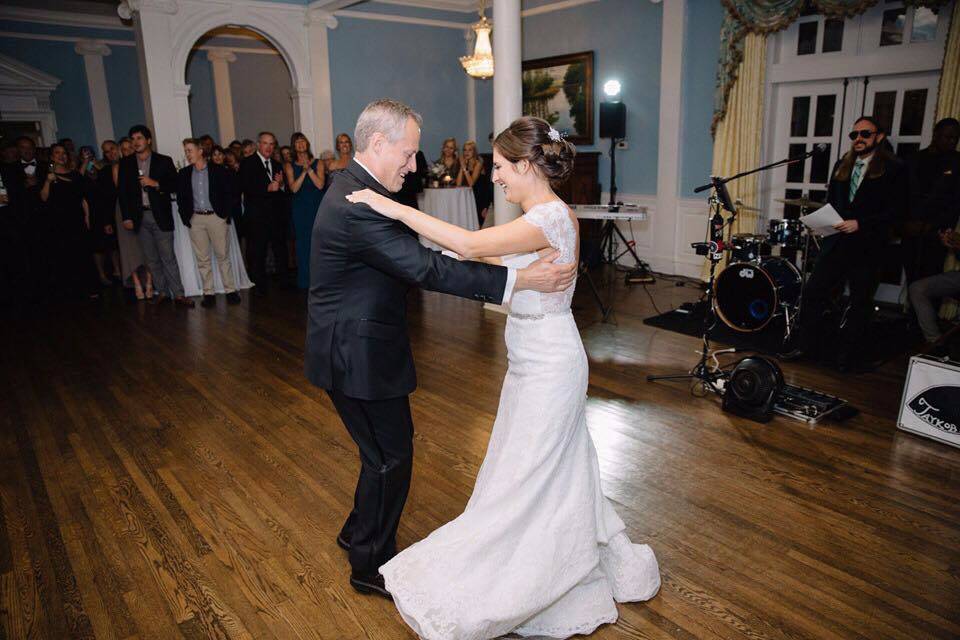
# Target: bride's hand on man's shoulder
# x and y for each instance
(380, 204)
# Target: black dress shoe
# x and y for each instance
(369, 583)
(233, 298)
(208, 301)
(343, 543)
(791, 355)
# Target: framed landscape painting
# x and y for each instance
(560, 90)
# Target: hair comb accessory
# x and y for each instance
(554, 135)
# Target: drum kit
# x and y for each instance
(757, 286)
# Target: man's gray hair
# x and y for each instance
(389, 117)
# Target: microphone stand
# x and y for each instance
(719, 200)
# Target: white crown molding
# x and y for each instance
(63, 18)
(50, 38)
(218, 50)
(386, 17)
(555, 6)
(441, 5)
(169, 7)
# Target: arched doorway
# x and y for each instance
(240, 84)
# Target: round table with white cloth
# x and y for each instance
(187, 260)
(455, 205)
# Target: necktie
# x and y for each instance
(266, 165)
(855, 178)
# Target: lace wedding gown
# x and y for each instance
(538, 551)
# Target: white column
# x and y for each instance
(220, 60)
(507, 88)
(321, 96)
(666, 222)
(93, 52)
(468, 35)
(169, 107)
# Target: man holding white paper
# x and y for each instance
(867, 191)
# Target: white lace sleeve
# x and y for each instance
(554, 220)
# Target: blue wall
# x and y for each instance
(203, 101)
(625, 38)
(71, 100)
(415, 64)
(702, 29)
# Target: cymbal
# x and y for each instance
(804, 202)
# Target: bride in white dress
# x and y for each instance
(538, 551)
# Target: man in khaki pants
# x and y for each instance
(205, 196)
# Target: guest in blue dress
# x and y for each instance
(307, 182)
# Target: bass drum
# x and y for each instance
(749, 295)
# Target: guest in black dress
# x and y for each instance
(68, 210)
(103, 210)
(473, 175)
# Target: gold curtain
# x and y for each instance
(948, 106)
(736, 146)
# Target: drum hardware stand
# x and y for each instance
(719, 200)
(707, 375)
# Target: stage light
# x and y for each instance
(611, 88)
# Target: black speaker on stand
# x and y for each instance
(613, 125)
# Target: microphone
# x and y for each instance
(817, 148)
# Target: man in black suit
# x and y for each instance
(362, 265)
(261, 179)
(205, 200)
(145, 181)
(32, 226)
(868, 190)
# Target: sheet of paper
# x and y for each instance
(822, 220)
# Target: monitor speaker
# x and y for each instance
(613, 120)
(752, 388)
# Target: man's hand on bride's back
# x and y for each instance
(381, 204)
(545, 276)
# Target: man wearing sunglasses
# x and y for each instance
(868, 189)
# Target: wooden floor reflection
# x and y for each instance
(171, 474)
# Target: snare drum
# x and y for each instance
(747, 247)
(786, 233)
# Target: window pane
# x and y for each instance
(884, 103)
(892, 30)
(907, 149)
(820, 167)
(832, 35)
(795, 170)
(800, 117)
(911, 118)
(807, 39)
(818, 195)
(924, 25)
(826, 107)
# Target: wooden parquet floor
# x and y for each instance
(171, 474)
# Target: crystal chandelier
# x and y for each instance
(480, 64)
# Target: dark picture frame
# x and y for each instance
(559, 89)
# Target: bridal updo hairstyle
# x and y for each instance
(528, 138)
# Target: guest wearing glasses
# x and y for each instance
(306, 180)
(867, 188)
(205, 200)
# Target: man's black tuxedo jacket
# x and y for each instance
(254, 181)
(219, 189)
(361, 266)
(875, 206)
(128, 190)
